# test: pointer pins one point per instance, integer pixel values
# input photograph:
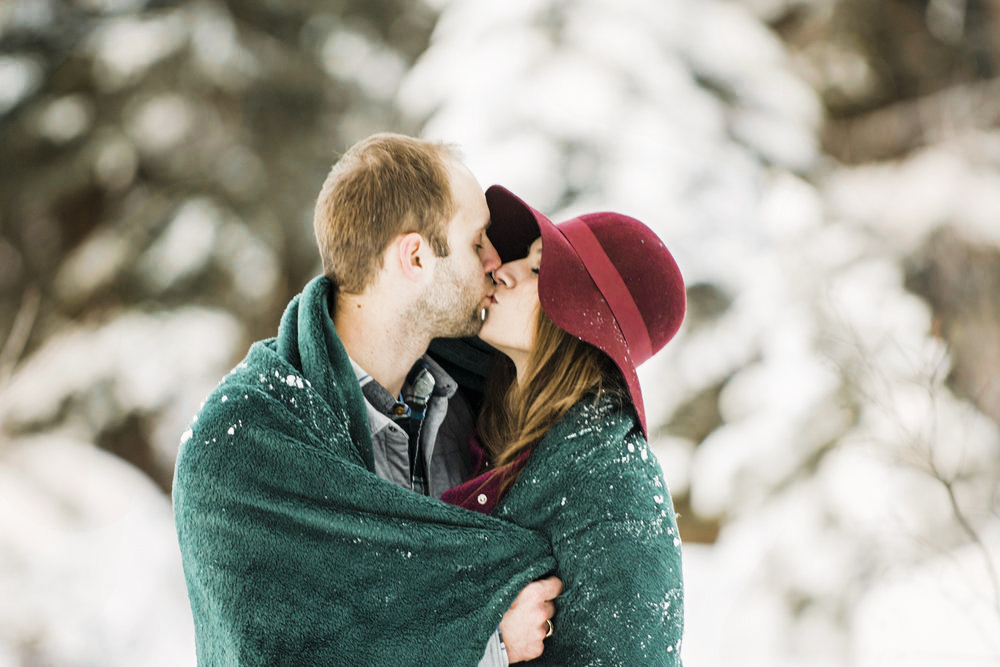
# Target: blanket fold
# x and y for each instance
(295, 552)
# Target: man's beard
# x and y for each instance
(452, 307)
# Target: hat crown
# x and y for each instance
(635, 275)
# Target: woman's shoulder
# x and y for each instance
(594, 465)
(598, 439)
(607, 416)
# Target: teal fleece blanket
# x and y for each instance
(594, 488)
(296, 553)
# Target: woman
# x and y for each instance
(563, 432)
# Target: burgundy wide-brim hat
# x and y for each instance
(605, 278)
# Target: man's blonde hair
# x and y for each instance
(383, 186)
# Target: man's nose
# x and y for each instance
(489, 257)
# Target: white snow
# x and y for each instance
(953, 183)
(185, 245)
(161, 364)
(92, 265)
(19, 77)
(91, 565)
(66, 118)
(125, 48)
(944, 612)
(161, 122)
(351, 55)
(216, 47)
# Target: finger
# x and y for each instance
(535, 649)
(540, 617)
(551, 587)
(538, 591)
(532, 594)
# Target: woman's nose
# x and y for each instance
(504, 275)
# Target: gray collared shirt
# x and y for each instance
(444, 432)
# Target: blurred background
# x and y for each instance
(826, 172)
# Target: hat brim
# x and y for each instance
(566, 290)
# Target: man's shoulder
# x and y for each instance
(597, 439)
(263, 389)
(267, 406)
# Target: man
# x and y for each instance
(293, 550)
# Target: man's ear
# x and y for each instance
(412, 255)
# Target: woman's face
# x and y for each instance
(510, 324)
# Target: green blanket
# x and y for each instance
(596, 491)
(296, 553)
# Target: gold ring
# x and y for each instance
(549, 633)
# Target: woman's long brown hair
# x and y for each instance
(562, 370)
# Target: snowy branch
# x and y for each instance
(20, 331)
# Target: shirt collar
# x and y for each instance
(380, 398)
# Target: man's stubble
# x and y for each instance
(451, 308)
